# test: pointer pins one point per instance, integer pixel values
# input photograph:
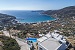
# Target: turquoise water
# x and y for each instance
(27, 16)
(32, 39)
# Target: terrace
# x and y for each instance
(52, 41)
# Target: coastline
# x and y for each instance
(21, 20)
(36, 22)
(39, 21)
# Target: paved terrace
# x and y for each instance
(51, 44)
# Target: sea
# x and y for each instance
(29, 16)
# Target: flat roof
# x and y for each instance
(42, 39)
(50, 44)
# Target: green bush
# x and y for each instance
(9, 43)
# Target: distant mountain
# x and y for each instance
(6, 17)
(65, 12)
(37, 11)
(6, 20)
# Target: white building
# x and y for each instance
(52, 41)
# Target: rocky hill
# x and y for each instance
(65, 12)
(6, 20)
(66, 19)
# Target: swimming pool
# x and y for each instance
(32, 39)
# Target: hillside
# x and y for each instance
(9, 43)
(65, 12)
(66, 19)
(6, 20)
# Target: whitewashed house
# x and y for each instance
(52, 41)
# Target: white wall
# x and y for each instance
(39, 46)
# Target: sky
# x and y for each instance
(35, 4)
